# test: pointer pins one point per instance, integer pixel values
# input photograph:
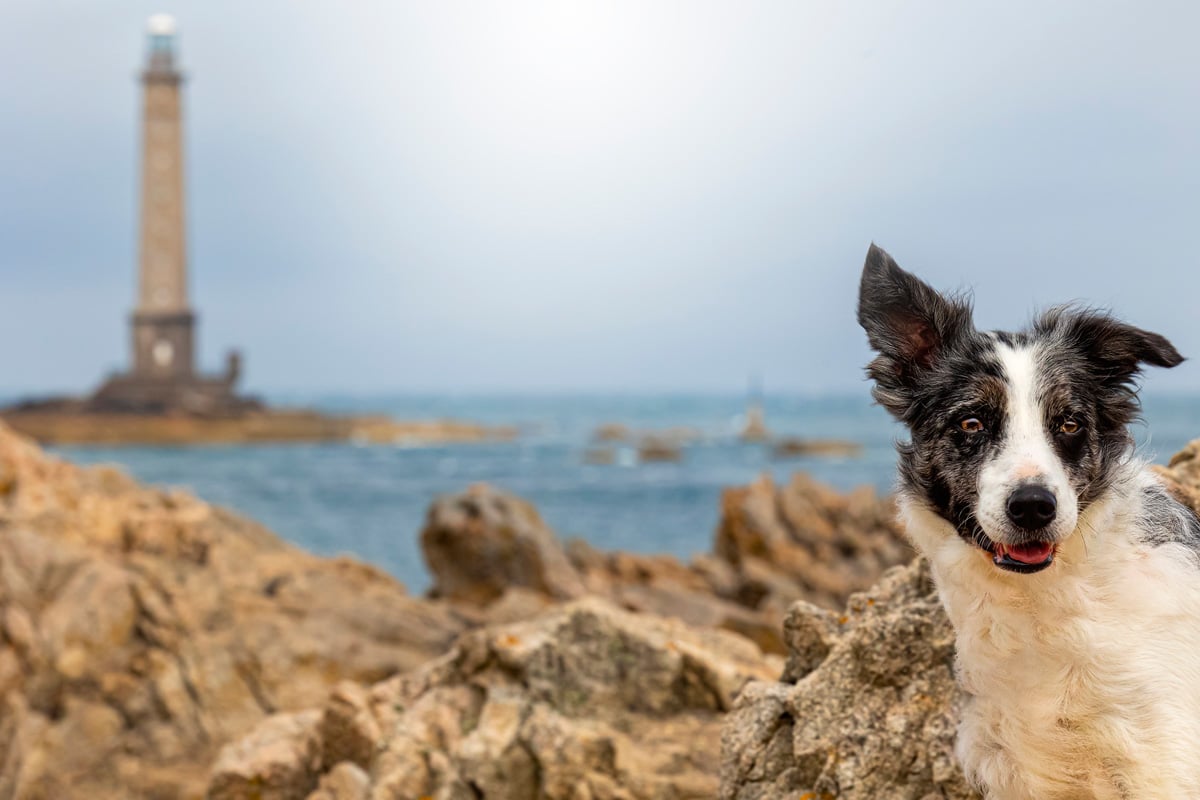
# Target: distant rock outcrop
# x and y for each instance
(795, 447)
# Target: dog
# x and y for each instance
(1069, 572)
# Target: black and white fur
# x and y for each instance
(1071, 576)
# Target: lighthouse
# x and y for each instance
(163, 377)
(163, 322)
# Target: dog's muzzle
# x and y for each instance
(1031, 509)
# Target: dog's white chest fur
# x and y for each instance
(1084, 679)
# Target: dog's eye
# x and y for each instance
(971, 425)
(1069, 427)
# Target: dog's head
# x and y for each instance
(1013, 434)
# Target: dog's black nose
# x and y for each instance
(1031, 507)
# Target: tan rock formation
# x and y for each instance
(1182, 475)
(490, 552)
(482, 542)
(586, 701)
(141, 629)
(870, 708)
(804, 541)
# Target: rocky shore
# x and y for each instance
(144, 631)
(154, 646)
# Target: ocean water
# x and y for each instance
(370, 501)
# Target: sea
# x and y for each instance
(370, 501)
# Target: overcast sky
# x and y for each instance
(518, 196)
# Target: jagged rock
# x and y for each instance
(804, 541)
(872, 709)
(142, 629)
(348, 730)
(586, 701)
(490, 551)
(492, 555)
(346, 781)
(481, 542)
(275, 761)
(1182, 475)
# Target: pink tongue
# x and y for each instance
(1032, 553)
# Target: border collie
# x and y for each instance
(1071, 576)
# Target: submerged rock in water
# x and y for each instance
(600, 456)
(655, 449)
(584, 701)
(612, 432)
(792, 447)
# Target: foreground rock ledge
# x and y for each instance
(868, 710)
(587, 701)
(140, 630)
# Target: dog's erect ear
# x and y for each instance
(907, 322)
(1116, 350)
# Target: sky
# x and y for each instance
(604, 196)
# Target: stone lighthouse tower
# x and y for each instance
(163, 377)
(162, 322)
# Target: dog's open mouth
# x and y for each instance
(1023, 558)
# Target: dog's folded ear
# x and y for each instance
(1117, 350)
(908, 323)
